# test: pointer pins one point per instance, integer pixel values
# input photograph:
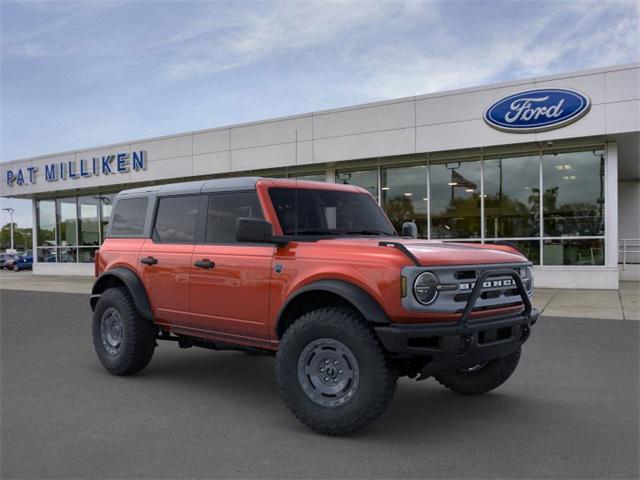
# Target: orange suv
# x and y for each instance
(316, 274)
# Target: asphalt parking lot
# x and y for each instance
(570, 411)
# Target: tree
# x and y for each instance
(22, 237)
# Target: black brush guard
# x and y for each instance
(448, 346)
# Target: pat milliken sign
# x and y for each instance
(537, 110)
(117, 163)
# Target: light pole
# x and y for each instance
(11, 211)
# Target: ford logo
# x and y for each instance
(537, 110)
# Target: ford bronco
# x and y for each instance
(316, 274)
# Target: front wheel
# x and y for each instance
(16, 268)
(332, 372)
(480, 378)
(124, 341)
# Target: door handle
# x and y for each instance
(149, 260)
(204, 263)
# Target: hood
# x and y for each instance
(441, 253)
(435, 252)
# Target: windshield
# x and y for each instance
(311, 212)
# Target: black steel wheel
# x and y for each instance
(328, 372)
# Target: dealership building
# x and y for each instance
(550, 164)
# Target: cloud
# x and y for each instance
(558, 39)
(286, 27)
(100, 72)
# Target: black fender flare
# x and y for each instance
(368, 307)
(132, 282)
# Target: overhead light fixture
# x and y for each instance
(567, 166)
(408, 194)
(425, 198)
(452, 184)
(386, 188)
(469, 190)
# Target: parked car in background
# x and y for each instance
(23, 262)
(6, 259)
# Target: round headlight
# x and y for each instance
(425, 288)
(528, 280)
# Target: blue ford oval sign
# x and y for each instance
(537, 110)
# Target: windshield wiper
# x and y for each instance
(319, 232)
(370, 232)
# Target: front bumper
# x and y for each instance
(466, 343)
(448, 346)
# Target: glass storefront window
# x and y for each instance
(512, 197)
(367, 179)
(67, 221)
(46, 222)
(404, 197)
(455, 199)
(47, 255)
(316, 177)
(67, 254)
(87, 254)
(574, 252)
(88, 222)
(106, 202)
(573, 198)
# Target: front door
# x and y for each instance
(230, 281)
(165, 259)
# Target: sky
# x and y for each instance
(86, 73)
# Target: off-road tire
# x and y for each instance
(489, 377)
(138, 338)
(377, 376)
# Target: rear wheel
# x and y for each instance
(332, 372)
(480, 378)
(124, 341)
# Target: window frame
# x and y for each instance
(144, 233)
(205, 221)
(197, 234)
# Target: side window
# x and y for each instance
(225, 209)
(176, 219)
(128, 218)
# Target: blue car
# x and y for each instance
(23, 262)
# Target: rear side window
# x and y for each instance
(225, 209)
(128, 217)
(176, 219)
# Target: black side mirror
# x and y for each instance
(253, 230)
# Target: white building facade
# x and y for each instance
(551, 165)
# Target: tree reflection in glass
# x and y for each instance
(455, 200)
(512, 197)
(573, 199)
(404, 197)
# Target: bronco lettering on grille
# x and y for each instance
(508, 282)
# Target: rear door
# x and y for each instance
(165, 258)
(230, 281)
